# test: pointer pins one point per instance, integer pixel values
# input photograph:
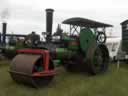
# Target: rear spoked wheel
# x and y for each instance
(98, 60)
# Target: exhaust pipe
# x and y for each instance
(4, 25)
(49, 21)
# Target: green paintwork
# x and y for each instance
(70, 40)
(57, 62)
(73, 47)
(62, 53)
(66, 37)
(86, 38)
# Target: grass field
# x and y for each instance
(112, 83)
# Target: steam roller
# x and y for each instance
(81, 49)
(32, 67)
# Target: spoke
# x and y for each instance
(98, 59)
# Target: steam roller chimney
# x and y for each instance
(4, 25)
(49, 21)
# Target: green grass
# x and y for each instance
(112, 83)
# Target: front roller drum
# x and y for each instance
(24, 69)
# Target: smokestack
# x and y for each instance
(49, 21)
(4, 32)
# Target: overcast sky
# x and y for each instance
(24, 16)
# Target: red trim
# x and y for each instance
(46, 61)
(45, 58)
(31, 51)
(45, 73)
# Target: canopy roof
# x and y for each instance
(78, 21)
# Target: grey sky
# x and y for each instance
(27, 15)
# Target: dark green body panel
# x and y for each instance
(87, 37)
